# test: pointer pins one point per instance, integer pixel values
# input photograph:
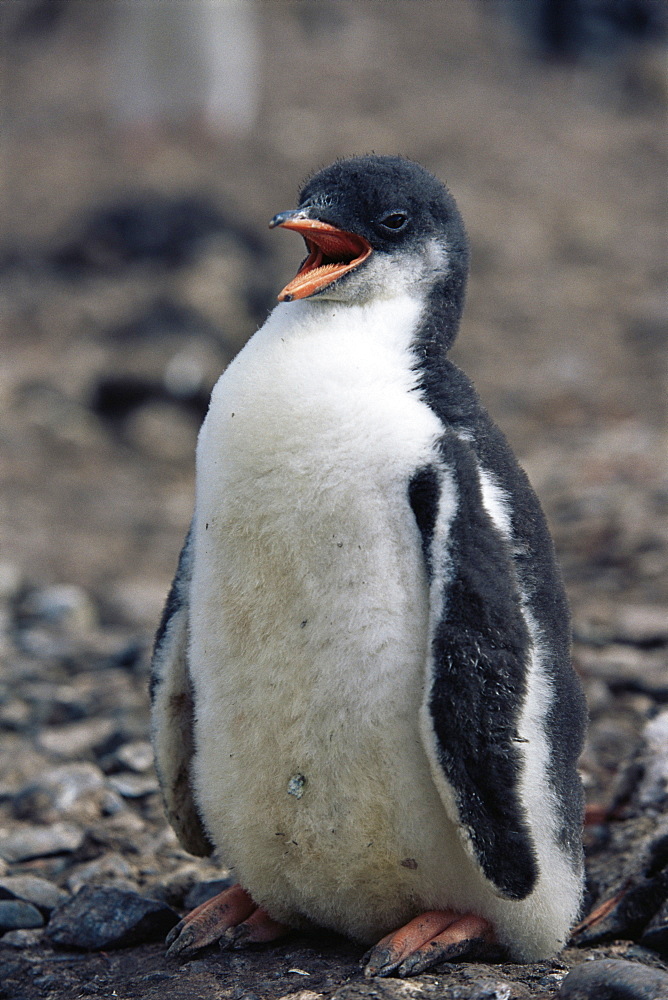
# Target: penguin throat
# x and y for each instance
(332, 253)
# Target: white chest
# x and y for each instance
(302, 515)
(309, 602)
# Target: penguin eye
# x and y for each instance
(394, 222)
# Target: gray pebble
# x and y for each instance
(136, 756)
(78, 738)
(109, 868)
(15, 914)
(488, 989)
(134, 786)
(71, 791)
(25, 842)
(23, 939)
(645, 625)
(654, 788)
(99, 917)
(614, 979)
(10, 580)
(64, 605)
(15, 714)
(38, 891)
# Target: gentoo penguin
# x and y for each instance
(362, 689)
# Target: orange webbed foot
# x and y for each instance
(231, 915)
(435, 936)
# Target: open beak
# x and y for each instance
(332, 253)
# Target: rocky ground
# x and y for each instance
(132, 269)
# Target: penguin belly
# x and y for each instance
(309, 623)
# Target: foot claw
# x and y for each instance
(208, 922)
(182, 945)
(379, 962)
(174, 933)
(437, 936)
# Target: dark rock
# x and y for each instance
(98, 918)
(115, 397)
(163, 318)
(655, 935)
(614, 979)
(9, 969)
(150, 228)
(206, 890)
(38, 891)
(632, 910)
(15, 914)
(627, 876)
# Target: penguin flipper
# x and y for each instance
(479, 658)
(172, 711)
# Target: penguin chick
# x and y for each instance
(362, 689)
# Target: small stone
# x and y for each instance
(654, 787)
(491, 989)
(299, 995)
(23, 939)
(16, 914)
(38, 891)
(64, 605)
(77, 738)
(136, 756)
(109, 868)
(296, 785)
(15, 714)
(614, 979)
(98, 918)
(50, 981)
(625, 668)
(156, 977)
(134, 786)
(643, 625)
(42, 644)
(10, 580)
(27, 842)
(162, 430)
(71, 791)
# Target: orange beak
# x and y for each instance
(332, 253)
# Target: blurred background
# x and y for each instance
(145, 147)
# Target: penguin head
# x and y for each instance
(376, 226)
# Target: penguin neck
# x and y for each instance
(439, 322)
(394, 320)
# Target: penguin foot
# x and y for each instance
(435, 936)
(258, 929)
(208, 922)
